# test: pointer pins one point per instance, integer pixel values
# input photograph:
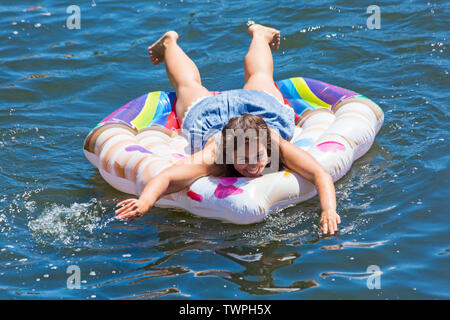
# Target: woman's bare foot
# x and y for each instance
(157, 50)
(270, 34)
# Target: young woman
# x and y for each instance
(210, 121)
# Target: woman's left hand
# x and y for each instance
(329, 221)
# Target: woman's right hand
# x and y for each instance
(131, 209)
(172, 179)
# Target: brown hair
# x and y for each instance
(242, 124)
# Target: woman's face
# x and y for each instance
(251, 161)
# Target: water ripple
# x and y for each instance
(57, 211)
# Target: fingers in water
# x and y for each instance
(125, 207)
(325, 228)
(123, 216)
(121, 203)
(330, 226)
(121, 210)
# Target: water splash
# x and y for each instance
(66, 224)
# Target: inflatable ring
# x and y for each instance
(135, 142)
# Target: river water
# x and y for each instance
(56, 212)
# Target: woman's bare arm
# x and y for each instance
(306, 166)
(170, 180)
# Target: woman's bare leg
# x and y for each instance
(258, 65)
(181, 71)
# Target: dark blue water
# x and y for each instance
(56, 211)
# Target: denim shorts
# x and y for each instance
(207, 116)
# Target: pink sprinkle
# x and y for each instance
(137, 148)
(194, 196)
(222, 191)
(177, 155)
(331, 146)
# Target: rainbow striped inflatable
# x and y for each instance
(135, 142)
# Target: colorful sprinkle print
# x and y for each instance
(177, 155)
(331, 146)
(225, 187)
(194, 196)
(223, 191)
(137, 148)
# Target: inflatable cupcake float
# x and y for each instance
(137, 141)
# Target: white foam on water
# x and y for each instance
(64, 224)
